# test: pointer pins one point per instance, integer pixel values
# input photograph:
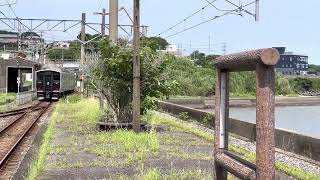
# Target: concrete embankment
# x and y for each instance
(285, 140)
(200, 103)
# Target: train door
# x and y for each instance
(47, 86)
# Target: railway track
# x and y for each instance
(13, 134)
(16, 112)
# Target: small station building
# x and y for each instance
(16, 67)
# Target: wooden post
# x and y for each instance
(136, 67)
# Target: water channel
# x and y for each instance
(300, 119)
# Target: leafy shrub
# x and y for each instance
(184, 115)
(112, 78)
(188, 79)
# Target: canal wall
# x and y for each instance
(285, 140)
(204, 103)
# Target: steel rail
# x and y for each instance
(16, 111)
(5, 158)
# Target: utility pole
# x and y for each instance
(136, 66)
(257, 10)
(19, 37)
(41, 57)
(113, 20)
(83, 53)
(224, 48)
(103, 24)
(209, 44)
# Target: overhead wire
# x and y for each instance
(218, 9)
(185, 19)
(209, 20)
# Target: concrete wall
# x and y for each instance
(288, 141)
(245, 102)
(26, 97)
(3, 76)
(4, 64)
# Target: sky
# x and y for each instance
(290, 23)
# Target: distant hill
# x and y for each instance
(314, 68)
(7, 32)
(25, 34)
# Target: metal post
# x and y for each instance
(221, 118)
(18, 82)
(113, 20)
(103, 25)
(224, 110)
(265, 122)
(19, 36)
(257, 14)
(262, 61)
(136, 67)
(83, 53)
(41, 58)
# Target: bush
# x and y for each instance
(188, 79)
(112, 78)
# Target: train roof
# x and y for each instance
(54, 70)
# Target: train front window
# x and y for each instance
(56, 81)
(40, 82)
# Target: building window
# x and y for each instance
(290, 58)
(290, 66)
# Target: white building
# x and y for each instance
(172, 49)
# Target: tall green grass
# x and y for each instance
(6, 98)
(83, 114)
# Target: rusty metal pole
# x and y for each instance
(265, 122)
(221, 119)
(262, 61)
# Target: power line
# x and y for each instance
(14, 13)
(209, 20)
(217, 7)
(185, 19)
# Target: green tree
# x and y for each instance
(199, 58)
(154, 43)
(112, 78)
(29, 34)
(189, 79)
